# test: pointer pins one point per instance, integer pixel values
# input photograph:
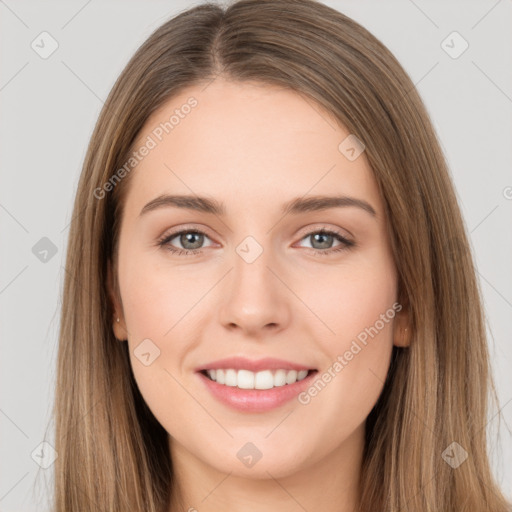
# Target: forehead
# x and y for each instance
(244, 143)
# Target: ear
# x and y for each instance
(119, 328)
(402, 329)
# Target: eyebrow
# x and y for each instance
(295, 206)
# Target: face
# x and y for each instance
(260, 293)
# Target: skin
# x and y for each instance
(254, 147)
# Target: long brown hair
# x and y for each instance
(112, 452)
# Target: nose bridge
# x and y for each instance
(254, 297)
(251, 275)
(251, 264)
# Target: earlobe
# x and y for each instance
(402, 330)
(119, 331)
(118, 321)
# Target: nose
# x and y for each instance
(255, 301)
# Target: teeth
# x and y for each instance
(291, 377)
(230, 378)
(266, 379)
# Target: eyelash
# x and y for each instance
(164, 242)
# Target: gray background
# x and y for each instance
(49, 107)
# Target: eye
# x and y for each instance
(322, 241)
(190, 240)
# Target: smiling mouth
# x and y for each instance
(265, 379)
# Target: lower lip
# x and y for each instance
(256, 400)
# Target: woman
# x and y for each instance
(209, 360)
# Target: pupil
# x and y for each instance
(189, 238)
(324, 245)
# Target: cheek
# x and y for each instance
(364, 311)
(155, 298)
(364, 324)
(154, 311)
(352, 297)
(360, 307)
(157, 304)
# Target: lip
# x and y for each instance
(242, 363)
(256, 400)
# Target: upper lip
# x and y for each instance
(242, 363)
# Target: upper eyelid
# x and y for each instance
(186, 229)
